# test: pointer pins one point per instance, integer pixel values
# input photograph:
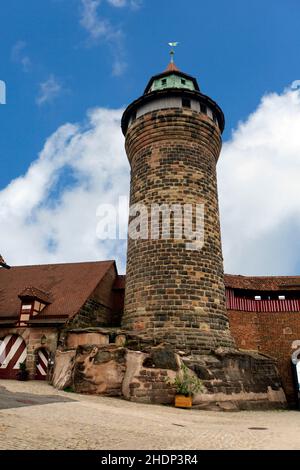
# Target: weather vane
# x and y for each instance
(172, 45)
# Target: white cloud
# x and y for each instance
(19, 55)
(259, 187)
(90, 20)
(119, 67)
(117, 3)
(49, 90)
(39, 229)
(136, 4)
(50, 217)
(100, 28)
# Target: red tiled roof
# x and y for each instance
(172, 68)
(257, 283)
(262, 283)
(34, 293)
(69, 286)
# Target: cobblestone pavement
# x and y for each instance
(91, 422)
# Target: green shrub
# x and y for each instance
(186, 383)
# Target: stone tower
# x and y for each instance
(173, 141)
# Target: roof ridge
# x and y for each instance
(63, 264)
(264, 277)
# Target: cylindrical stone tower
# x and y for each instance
(173, 141)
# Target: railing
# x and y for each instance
(251, 305)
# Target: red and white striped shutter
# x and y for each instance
(42, 364)
(12, 352)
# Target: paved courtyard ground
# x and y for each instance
(33, 415)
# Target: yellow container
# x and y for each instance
(181, 401)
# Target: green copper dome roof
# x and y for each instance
(172, 83)
(172, 78)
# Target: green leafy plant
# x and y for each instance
(22, 366)
(23, 373)
(186, 383)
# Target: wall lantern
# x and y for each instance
(43, 339)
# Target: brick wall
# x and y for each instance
(244, 327)
(271, 333)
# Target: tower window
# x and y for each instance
(183, 81)
(203, 108)
(133, 116)
(164, 81)
(186, 103)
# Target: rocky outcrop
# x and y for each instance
(99, 370)
(231, 379)
(235, 379)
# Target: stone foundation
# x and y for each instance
(236, 379)
(231, 379)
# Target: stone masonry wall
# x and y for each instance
(100, 308)
(92, 313)
(172, 293)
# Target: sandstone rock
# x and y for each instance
(230, 379)
(99, 370)
(63, 369)
(79, 339)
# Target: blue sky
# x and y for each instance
(237, 49)
(61, 58)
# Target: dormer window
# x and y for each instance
(183, 81)
(33, 302)
(37, 307)
(164, 81)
